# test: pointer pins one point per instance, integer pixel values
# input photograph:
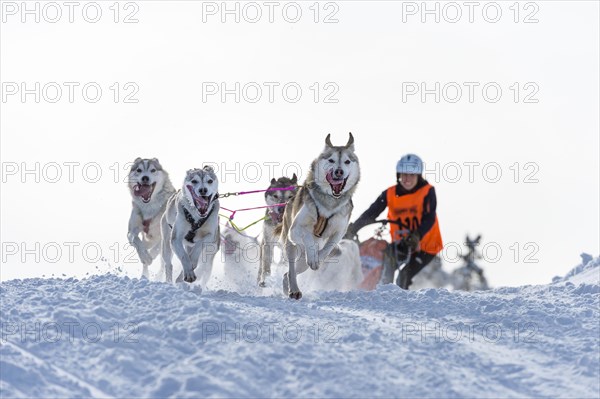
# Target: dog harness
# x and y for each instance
(321, 224)
(195, 224)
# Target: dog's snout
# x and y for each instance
(203, 191)
(339, 173)
(145, 179)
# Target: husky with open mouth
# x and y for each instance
(274, 218)
(317, 218)
(150, 189)
(190, 226)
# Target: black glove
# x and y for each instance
(350, 233)
(412, 240)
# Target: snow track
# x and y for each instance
(115, 336)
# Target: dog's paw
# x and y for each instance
(189, 277)
(145, 257)
(295, 295)
(312, 259)
(262, 284)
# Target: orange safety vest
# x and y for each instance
(408, 209)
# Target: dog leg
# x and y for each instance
(312, 251)
(206, 261)
(266, 257)
(329, 246)
(153, 252)
(166, 250)
(133, 235)
(188, 269)
(292, 285)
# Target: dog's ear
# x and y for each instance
(328, 140)
(273, 181)
(157, 163)
(350, 143)
(208, 168)
(294, 179)
(135, 162)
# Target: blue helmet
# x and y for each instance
(410, 164)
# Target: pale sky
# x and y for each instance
(366, 72)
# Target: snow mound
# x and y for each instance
(588, 272)
(112, 336)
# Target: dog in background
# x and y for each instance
(150, 189)
(274, 219)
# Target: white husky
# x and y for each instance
(341, 271)
(150, 189)
(318, 216)
(190, 226)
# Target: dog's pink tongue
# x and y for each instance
(336, 185)
(202, 204)
(276, 216)
(143, 190)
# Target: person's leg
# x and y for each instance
(416, 263)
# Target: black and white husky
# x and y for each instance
(316, 220)
(190, 226)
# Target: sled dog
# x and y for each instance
(190, 226)
(150, 189)
(274, 218)
(318, 216)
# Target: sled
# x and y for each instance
(371, 259)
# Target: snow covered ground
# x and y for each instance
(113, 336)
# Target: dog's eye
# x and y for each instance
(153, 171)
(276, 196)
(210, 181)
(347, 162)
(194, 181)
(139, 170)
(331, 161)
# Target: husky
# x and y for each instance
(274, 218)
(190, 226)
(341, 271)
(318, 216)
(150, 189)
(240, 253)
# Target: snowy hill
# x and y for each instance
(111, 336)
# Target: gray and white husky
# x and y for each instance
(150, 189)
(318, 216)
(274, 219)
(190, 226)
